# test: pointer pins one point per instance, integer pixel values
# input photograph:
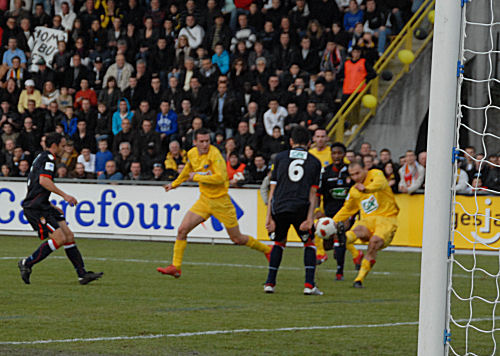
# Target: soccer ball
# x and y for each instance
(325, 228)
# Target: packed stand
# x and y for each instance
(135, 79)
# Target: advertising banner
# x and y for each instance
(128, 210)
(148, 212)
(43, 43)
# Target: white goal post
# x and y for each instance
(437, 211)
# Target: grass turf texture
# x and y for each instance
(132, 299)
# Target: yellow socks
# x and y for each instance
(179, 247)
(320, 250)
(257, 245)
(366, 267)
(349, 244)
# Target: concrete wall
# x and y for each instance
(399, 116)
(481, 66)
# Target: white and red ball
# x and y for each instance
(325, 228)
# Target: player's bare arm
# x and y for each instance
(48, 184)
(313, 199)
(168, 187)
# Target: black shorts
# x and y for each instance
(44, 221)
(283, 222)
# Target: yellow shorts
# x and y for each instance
(221, 208)
(381, 226)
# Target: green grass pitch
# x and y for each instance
(221, 289)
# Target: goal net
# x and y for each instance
(473, 295)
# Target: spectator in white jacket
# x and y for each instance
(275, 116)
(412, 174)
(194, 33)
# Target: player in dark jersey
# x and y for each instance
(335, 185)
(295, 179)
(45, 218)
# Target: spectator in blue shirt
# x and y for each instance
(166, 124)
(102, 156)
(353, 16)
(69, 121)
(12, 52)
(111, 173)
(221, 58)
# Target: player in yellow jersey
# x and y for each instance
(373, 197)
(206, 166)
(322, 151)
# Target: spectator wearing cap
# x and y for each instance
(96, 75)
(43, 75)
(121, 71)
(150, 156)
(29, 93)
(110, 173)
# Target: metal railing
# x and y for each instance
(352, 111)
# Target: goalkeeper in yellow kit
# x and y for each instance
(207, 167)
(373, 197)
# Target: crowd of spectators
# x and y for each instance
(137, 77)
(475, 173)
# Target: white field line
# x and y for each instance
(232, 265)
(222, 332)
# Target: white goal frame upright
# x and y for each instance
(439, 175)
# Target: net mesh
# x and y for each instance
(473, 321)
